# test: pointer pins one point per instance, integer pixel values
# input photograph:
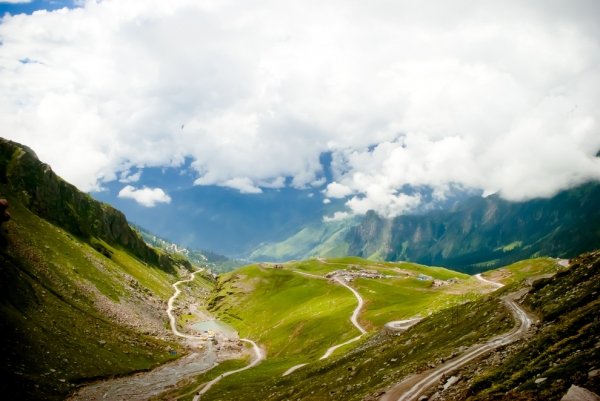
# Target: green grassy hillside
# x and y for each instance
(524, 269)
(81, 295)
(69, 313)
(297, 317)
(325, 239)
(291, 315)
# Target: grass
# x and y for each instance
(380, 360)
(51, 288)
(296, 318)
(185, 390)
(522, 270)
(397, 299)
(291, 315)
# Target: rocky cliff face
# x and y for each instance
(50, 197)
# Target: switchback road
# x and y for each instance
(414, 386)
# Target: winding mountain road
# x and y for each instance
(353, 319)
(413, 387)
(146, 385)
(172, 317)
(259, 355)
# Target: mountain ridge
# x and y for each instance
(473, 235)
(52, 198)
(82, 297)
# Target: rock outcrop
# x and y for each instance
(50, 197)
(577, 393)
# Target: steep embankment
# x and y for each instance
(413, 387)
(80, 296)
(156, 382)
(563, 351)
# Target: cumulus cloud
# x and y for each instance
(499, 96)
(337, 190)
(148, 197)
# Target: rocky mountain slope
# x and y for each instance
(41, 191)
(81, 295)
(562, 352)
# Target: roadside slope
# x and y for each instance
(564, 351)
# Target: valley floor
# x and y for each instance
(446, 343)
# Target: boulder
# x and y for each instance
(577, 393)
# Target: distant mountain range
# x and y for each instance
(476, 234)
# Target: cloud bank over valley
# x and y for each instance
(495, 96)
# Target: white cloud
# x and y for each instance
(497, 96)
(326, 201)
(128, 177)
(337, 216)
(337, 190)
(15, 1)
(242, 184)
(148, 197)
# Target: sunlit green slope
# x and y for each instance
(296, 313)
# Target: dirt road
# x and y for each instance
(489, 282)
(172, 317)
(146, 385)
(353, 319)
(413, 387)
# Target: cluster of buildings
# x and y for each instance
(349, 275)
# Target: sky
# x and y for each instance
(252, 96)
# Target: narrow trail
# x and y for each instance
(172, 317)
(293, 369)
(401, 325)
(413, 387)
(353, 318)
(259, 355)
